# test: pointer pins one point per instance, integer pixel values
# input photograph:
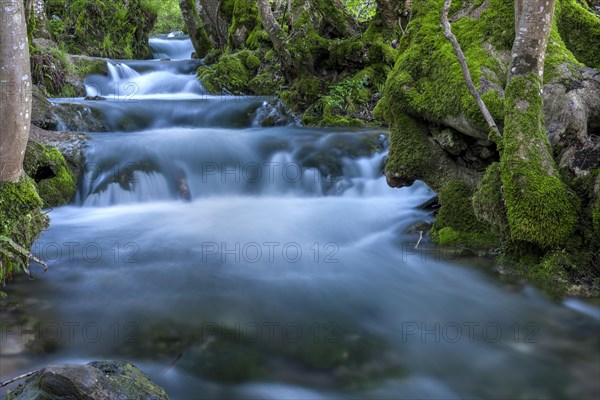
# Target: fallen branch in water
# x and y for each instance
(24, 252)
(27, 375)
(420, 238)
(173, 363)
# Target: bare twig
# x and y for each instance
(463, 64)
(27, 375)
(173, 363)
(420, 238)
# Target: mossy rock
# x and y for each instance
(21, 220)
(578, 27)
(232, 72)
(110, 380)
(52, 176)
(456, 223)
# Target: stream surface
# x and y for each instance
(229, 260)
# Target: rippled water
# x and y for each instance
(229, 260)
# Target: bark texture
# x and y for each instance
(275, 32)
(195, 27)
(15, 81)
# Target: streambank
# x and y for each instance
(286, 270)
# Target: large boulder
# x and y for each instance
(106, 380)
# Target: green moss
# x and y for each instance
(244, 20)
(488, 203)
(345, 53)
(596, 215)
(252, 62)
(427, 79)
(579, 28)
(456, 223)
(303, 92)
(540, 209)
(230, 73)
(409, 157)
(258, 38)
(21, 220)
(52, 176)
(266, 83)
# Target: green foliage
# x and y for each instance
(49, 68)
(21, 221)
(169, 18)
(362, 10)
(50, 172)
(103, 28)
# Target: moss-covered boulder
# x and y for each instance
(108, 380)
(524, 185)
(50, 172)
(456, 223)
(232, 72)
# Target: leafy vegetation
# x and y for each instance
(103, 28)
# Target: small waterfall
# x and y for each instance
(172, 46)
(120, 72)
(152, 165)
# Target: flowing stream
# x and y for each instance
(229, 260)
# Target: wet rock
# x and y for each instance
(94, 98)
(42, 114)
(69, 144)
(49, 170)
(275, 114)
(337, 354)
(78, 118)
(108, 380)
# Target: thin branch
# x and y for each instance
(463, 64)
(27, 375)
(420, 238)
(24, 252)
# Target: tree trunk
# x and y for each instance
(15, 90)
(195, 27)
(41, 21)
(216, 26)
(392, 13)
(540, 209)
(276, 34)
